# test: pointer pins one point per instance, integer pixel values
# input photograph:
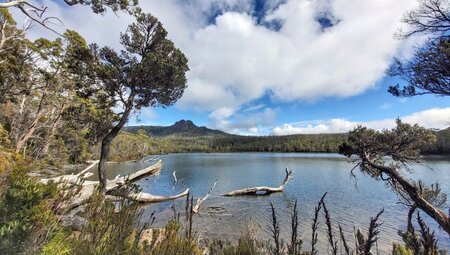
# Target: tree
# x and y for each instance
(150, 72)
(432, 17)
(428, 71)
(374, 150)
(16, 63)
(37, 13)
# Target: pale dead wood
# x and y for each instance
(175, 180)
(71, 178)
(262, 190)
(11, 3)
(87, 188)
(150, 198)
(200, 200)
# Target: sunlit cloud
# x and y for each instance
(436, 118)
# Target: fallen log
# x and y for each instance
(88, 188)
(149, 198)
(71, 178)
(261, 190)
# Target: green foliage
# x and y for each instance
(4, 137)
(401, 144)
(441, 146)
(24, 212)
(399, 249)
(129, 146)
(234, 143)
(426, 72)
(100, 6)
(111, 229)
(58, 245)
(173, 241)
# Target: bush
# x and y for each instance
(25, 212)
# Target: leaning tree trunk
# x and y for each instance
(435, 213)
(106, 144)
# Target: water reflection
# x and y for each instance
(351, 201)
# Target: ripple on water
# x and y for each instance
(350, 201)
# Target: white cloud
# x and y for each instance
(243, 123)
(438, 118)
(245, 60)
(145, 116)
(235, 60)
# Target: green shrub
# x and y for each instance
(24, 212)
(111, 228)
(399, 249)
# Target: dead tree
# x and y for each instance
(113, 187)
(261, 190)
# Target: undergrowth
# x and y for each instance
(31, 223)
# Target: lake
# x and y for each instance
(351, 201)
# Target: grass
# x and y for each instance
(30, 224)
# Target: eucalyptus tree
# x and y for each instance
(15, 59)
(384, 154)
(52, 89)
(149, 72)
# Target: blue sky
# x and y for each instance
(277, 67)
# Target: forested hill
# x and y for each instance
(185, 136)
(184, 128)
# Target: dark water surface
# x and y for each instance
(350, 201)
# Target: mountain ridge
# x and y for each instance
(185, 128)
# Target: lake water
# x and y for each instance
(351, 201)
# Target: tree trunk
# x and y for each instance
(24, 138)
(438, 215)
(107, 140)
(52, 132)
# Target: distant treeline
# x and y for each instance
(141, 143)
(442, 145)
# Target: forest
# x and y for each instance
(144, 143)
(64, 103)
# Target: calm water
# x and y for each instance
(351, 201)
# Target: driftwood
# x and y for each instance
(87, 188)
(175, 180)
(200, 200)
(262, 190)
(149, 198)
(71, 178)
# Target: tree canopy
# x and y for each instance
(427, 72)
(383, 154)
(150, 72)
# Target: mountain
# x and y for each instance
(184, 128)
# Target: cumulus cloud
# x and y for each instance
(243, 60)
(235, 57)
(437, 118)
(247, 122)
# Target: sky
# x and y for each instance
(276, 67)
